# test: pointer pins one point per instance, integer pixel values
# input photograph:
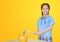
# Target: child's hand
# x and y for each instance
(39, 33)
(34, 32)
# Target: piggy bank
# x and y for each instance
(23, 37)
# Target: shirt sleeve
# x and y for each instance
(51, 21)
(38, 22)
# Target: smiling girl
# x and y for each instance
(45, 24)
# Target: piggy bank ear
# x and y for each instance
(24, 31)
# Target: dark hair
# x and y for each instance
(45, 4)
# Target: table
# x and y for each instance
(28, 41)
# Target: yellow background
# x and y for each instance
(17, 15)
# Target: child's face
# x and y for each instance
(45, 9)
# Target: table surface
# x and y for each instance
(28, 41)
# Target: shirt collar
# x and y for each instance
(45, 16)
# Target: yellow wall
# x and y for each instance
(17, 15)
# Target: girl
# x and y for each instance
(45, 24)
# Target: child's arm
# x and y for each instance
(49, 28)
(36, 31)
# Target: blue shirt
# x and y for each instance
(43, 23)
